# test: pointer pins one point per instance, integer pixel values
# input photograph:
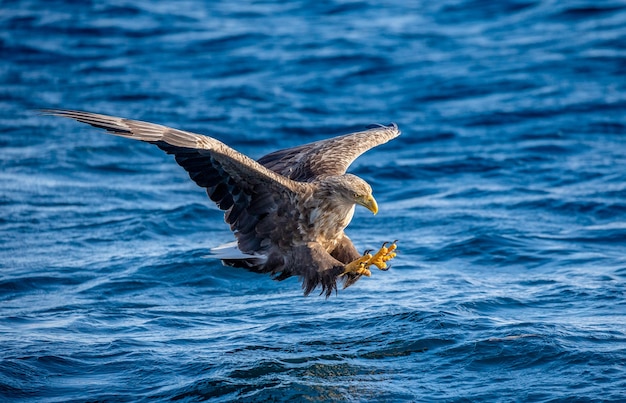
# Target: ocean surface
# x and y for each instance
(506, 191)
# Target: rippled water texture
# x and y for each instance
(507, 192)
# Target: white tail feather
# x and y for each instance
(230, 251)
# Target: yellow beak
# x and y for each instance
(369, 203)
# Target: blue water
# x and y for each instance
(506, 191)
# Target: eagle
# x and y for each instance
(288, 210)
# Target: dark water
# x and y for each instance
(507, 192)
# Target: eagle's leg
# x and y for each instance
(358, 266)
(385, 254)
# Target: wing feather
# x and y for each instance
(248, 192)
(327, 157)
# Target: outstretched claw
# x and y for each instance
(358, 266)
(385, 254)
(361, 265)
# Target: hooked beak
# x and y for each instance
(369, 203)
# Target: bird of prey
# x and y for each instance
(288, 210)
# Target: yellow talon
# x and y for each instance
(384, 255)
(359, 266)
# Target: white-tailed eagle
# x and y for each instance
(288, 210)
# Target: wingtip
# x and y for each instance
(54, 112)
(393, 126)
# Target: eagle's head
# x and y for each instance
(352, 190)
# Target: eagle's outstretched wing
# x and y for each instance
(327, 157)
(250, 194)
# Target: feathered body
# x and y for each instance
(288, 210)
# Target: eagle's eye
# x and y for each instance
(356, 195)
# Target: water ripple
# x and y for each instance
(506, 192)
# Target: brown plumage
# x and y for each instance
(288, 210)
